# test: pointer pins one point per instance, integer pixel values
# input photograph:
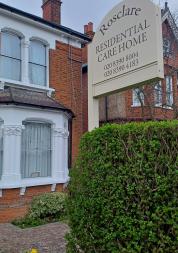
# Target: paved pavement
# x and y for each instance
(47, 238)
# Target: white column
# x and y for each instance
(65, 143)
(25, 64)
(60, 154)
(93, 111)
(11, 155)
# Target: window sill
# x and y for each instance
(167, 107)
(30, 182)
(136, 106)
(29, 86)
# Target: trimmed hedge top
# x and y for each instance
(124, 190)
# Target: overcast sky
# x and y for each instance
(76, 13)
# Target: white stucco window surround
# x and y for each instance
(27, 58)
(22, 164)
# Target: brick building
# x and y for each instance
(158, 101)
(43, 100)
(41, 104)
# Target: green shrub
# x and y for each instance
(123, 190)
(28, 222)
(48, 205)
(45, 208)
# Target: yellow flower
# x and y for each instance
(34, 251)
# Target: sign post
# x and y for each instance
(126, 51)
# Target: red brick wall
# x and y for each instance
(66, 79)
(13, 205)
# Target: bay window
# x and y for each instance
(36, 150)
(10, 56)
(37, 63)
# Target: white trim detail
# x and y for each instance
(25, 85)
(22, 191)
(13, 31)
(53, 187)
(13, 130)
(1, 85)
(60, 132)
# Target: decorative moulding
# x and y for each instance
(60, 132)
(13, 130)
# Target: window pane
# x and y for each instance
(1, 152)
(166, 47)
(158, 94)
(169, 91)
(36, 150)
(11, 45)
(37, 53)
(37, 74)
(138, 97)
(10, 68)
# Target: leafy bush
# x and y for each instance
(48, 205)
(123, 190)
(45, 208)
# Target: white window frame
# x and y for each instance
(36, 174)
(135, 100)
(158, 94)
(169, 91)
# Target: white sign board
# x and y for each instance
(126, 49)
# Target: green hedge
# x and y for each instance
(123, 190)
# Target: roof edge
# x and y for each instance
(45, 22)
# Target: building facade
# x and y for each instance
(156, 101)
(41, 113)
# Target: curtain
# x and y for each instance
(10, 68)
(37, 63)
(37, 74)
(36, 150)
(37, 53)
(11, 45)
(10, 60)
(1, 151)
